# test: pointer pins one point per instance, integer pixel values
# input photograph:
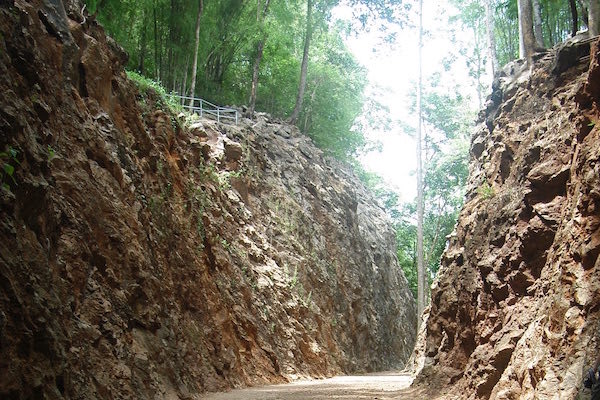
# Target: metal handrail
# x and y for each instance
(207, 108)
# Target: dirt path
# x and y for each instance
(377, 386)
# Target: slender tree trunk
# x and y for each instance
(594, 17)
(156, 55)
(143, 43)
(479, 67)
(304, 66)
(549, 29)
(255, 73)
(171, 41)
(521, 38)
(436, 236)
(574, 17)
(537, 24)
(174, 77)
(584, 11)
(526, 32)
(491, 36)
(309, 109)
(421, 276)
(183, 89)
(196, 45)
(259, 54)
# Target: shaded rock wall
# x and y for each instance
(514, 311)
(144, 259)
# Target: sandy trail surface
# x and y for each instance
(376, 386)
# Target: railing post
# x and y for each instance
(200, 108)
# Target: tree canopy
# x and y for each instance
(250, 53)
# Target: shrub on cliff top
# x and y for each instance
(150, 88)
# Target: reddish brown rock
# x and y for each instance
(134, 263)
(514, 311)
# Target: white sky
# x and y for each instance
(395, 67)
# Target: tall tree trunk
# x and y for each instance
(574, 17)
(255, 73)
(526, 32)
(521, 42)
(183, 88)
(421, 276)
(308, 115)
(304, 66)
(196, 45)
(491, 36)
(259, 54)
(143, 45)
(537, 24)
(171, 43)
(594, 17)
(478, 72)
(156, 54)
(584, 11)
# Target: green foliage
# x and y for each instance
(293, 278)
(471, 21)
(388, 198)
(506, 31)
(159, 37)
(486, 191)
(145, 84)
(447, 118)
(149, 88)
(334, 97)
(556, 25)
(226, 245)
(406, 241)
(9, 160)
(197, 203)
(51, 153)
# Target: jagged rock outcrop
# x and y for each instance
(514, 311)
(144, 259)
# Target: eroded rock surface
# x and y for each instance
(141, 259)
(514, 312)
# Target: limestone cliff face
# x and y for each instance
(514, 313)
(144, 259)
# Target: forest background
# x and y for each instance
(290, 58)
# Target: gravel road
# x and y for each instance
(376, 386)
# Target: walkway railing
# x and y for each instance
(207, 109)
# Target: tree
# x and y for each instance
(574, 17)
(421, 277)
(491, 36)
(526, 35)
(537, 23)
(196, 46)
(594, 17)
(471, 16)
(304, 67)
(260, 45)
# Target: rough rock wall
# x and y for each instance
(143, 259)
(514, 312)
